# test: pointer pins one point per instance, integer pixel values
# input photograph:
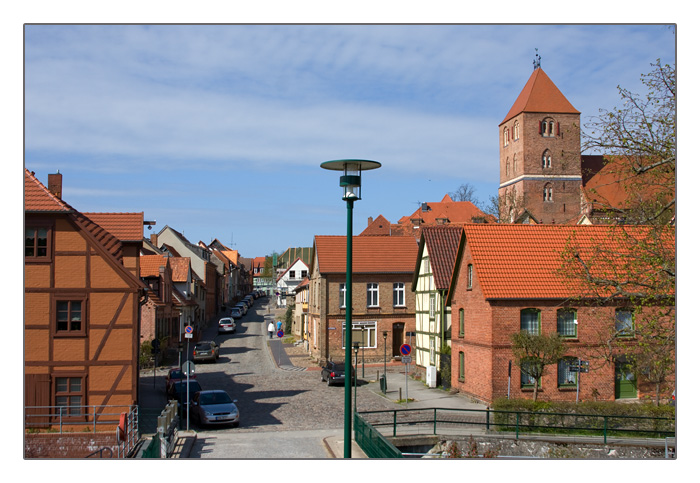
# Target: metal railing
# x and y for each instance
(372, 442)
(68, 418)
(464, 421)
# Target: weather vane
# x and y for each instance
(536, 62)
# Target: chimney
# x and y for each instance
(154, 239)
(369, 220)
(56, 184)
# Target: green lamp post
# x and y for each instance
(351, 183)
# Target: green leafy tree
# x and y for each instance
(534, 352)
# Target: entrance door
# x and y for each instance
(397, 339)
(625, 381)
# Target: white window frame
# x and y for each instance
(342, 295)
(372, 295)
(367, 330)
(399, 294)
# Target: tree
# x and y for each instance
(465, 193)
(635, 266)
(534, 352)
(639, 139)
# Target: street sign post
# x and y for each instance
(405, 349)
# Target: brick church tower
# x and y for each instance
(540, 154)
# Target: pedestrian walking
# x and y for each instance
(270, 329)
(279, 325)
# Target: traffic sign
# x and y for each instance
(406, 360)
(405, 349)
(280, 333)
(188, 368)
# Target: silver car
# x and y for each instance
(215, 407)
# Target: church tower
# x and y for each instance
(540, 154)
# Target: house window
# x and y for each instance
(69, 317)
(461, 366)
(69, 395)
(547, 128)
(530, 321)
(431, 306)
(565, 376)
(624, 323)
(505, 137)
(372, 295)
(526, 380)
(342, 296)
(304, 273)
(399, 295)
(461, 322)
(363, 332)
(567, 323)
(516, 131)
(292, 275)
(36, 242)
(470, 276)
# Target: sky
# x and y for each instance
(218, 131)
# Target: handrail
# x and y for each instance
(100, 451)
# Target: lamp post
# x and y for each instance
(356, 346)
(351, 183)
(384, 388)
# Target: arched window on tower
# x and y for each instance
(548, 128)
(505, 136)
(516, 131)
(547, 159)
(507, 167)
(547, 192)
(515, 164)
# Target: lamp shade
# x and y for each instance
(351, 180)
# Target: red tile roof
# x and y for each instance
(180, 267)
(150, 265)
(380, 226)
(125, 226)
(38, 199)
(540, 95)
(521, 261)
(442, 243)
(453, 211)
(370, 254)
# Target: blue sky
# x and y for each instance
(219, 131)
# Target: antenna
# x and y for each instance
(536, 62)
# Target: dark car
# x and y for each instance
(174, 374)
(179, 391)
(334, 372)
(215, 407)
(206, 350)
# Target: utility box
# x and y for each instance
(431, 376)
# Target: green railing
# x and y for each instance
(153, 449)
(427, 421)
(372, 442)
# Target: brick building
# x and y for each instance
(506, 280)
(81, 308)
(381, 297)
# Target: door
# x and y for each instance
(397, 338)
(625, 381)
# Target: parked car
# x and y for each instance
(248, 300)
(243, 307)
(174, 374)
(334, 372)
(236, 313)
(215, 407)
(227, 324)
(206, 350)
(179, 390)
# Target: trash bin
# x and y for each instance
(382, 383)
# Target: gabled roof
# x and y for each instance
(442, 244)
(150, 265)
(452, 211)
(540, 95)
(232, 255)
(370, 254)
(128, 227)
(39, 199)
(297, 261)
(522, 261)
(380, 226)
(180, 267)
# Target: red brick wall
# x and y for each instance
(67, 445)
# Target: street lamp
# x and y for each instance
(384, 388)
(351, 183)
